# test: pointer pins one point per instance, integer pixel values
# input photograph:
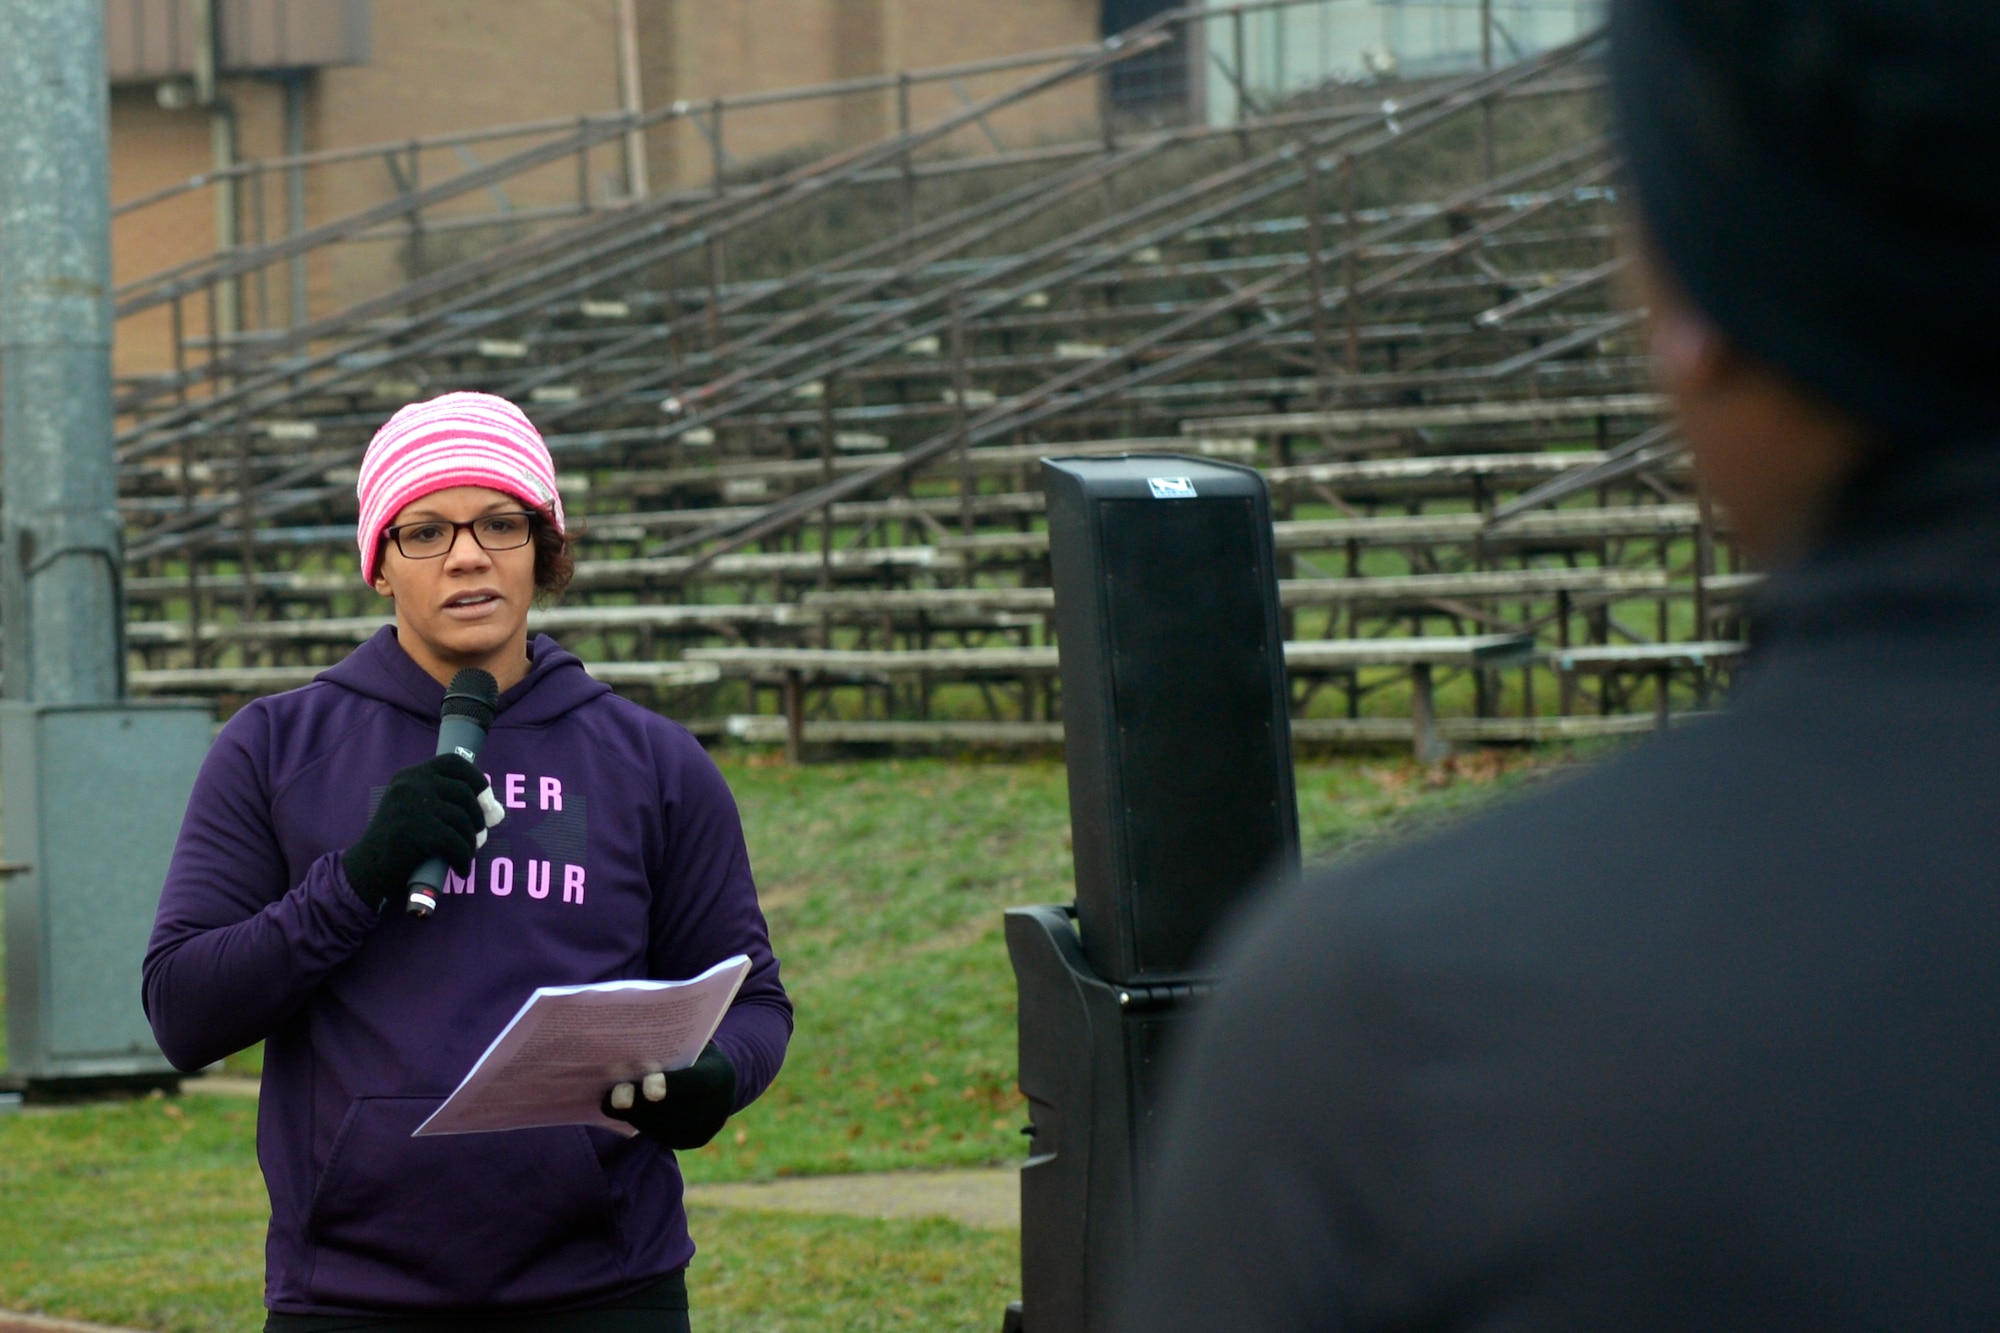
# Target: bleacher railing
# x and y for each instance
(435, 200)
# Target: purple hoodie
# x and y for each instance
(621, 856)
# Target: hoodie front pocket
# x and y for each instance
(464, 1221)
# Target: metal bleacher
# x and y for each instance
(803, 460)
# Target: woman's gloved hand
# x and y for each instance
(441, 807)
(680, 1110)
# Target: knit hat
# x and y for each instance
(459, 439)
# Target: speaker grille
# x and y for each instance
(1192, 679)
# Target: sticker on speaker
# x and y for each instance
(1171, 488)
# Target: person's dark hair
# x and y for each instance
(554, 566)
(1822, 178)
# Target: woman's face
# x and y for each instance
(468, 606)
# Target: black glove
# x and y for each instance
(698, 1102)
(430, 809)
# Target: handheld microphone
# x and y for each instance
(469, 705)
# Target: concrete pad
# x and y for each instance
(13, 1322)
(989, 1197)
(220, 1085)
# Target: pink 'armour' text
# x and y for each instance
(539, 878)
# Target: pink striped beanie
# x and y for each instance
(459, 439)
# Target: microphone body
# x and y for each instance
(469, 705)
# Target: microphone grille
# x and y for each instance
(473, 693)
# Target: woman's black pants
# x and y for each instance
(660, 1308)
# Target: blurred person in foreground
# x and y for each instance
(1709, 1037)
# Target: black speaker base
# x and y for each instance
(1091, 1060)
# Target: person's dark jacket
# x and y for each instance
(1706, 1038)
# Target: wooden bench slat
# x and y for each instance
(1462, 467)
(1482, 585)
(1659, 520)
(770, 729)
(265, 680)
(986, 459)
(1292, 592)
(1632, 656)
(1443, 414)
(868, 661)
(600, 573)
(1441, 650)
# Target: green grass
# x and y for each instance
(884, 883)
(151, 1213)
(148, 1213)
(779, 1273)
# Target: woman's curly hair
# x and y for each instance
(554, 566)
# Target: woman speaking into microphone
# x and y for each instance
(598, 844)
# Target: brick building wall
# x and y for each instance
(437, 66)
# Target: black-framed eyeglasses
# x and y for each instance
(429, 538)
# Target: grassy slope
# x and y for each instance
(883, 882)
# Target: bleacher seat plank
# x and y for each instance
(634, 524)
(267, 680)
(926, 600)
(541, 620)
(1349, 421)
(1732, 587)
(1459, 650)
(770, 729)
(1646, 656)
(875, 662)
(1574, 525)
(1475, 586)
(1292, 592)
(1603, 523)
(983, 460)
(213, 680)
(660, 675)
(763, 564)
(1430, 650)
(1454, 467)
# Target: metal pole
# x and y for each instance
(631, 100)
(958, 386)
(222, 156)
(418, 260)
(1488, 142)
(907, 165)
(718, 161)
(826, 447)
(1350, 260)
(295, 190)
(1236, 50)
(60, 543)
(1315, 245)
(257, 238)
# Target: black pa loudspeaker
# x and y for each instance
(1174, 701)
(1180, 783)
